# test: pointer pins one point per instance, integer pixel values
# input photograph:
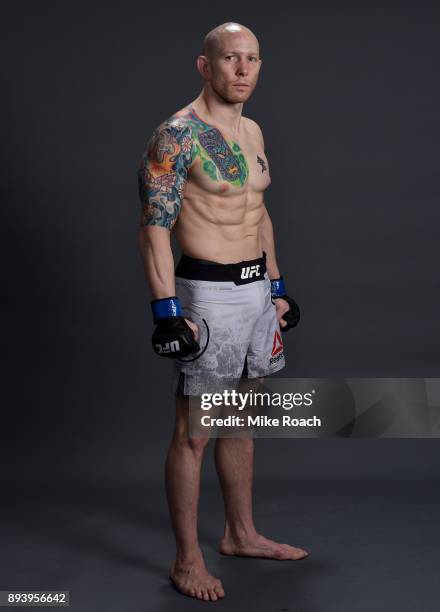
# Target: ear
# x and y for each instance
(203, 67)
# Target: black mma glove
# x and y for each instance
(292, 316)
(172, 337)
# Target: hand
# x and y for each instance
(281, 308)
(195, 329)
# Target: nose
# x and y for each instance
(242, 68)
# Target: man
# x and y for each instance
(203, 175)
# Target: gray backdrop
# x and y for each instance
(348, 101)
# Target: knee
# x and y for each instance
(251, 384)
(195, 444)
(198, 444)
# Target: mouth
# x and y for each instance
(240, 85)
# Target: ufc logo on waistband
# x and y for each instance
(168, 347)
(250, 271)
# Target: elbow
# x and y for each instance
(265, 219)
(142, 239)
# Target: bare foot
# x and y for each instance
(193, 579)
(259, 546)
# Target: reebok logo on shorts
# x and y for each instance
(277, 348)
(250, 271)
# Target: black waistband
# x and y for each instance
(241, 273)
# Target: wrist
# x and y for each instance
(277, 287)
(166, 307)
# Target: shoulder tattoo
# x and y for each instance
(163, 173)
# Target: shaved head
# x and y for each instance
(215, 39)
(230, 62)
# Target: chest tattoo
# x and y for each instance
(262, 163)
(221, 160)
(221, 154)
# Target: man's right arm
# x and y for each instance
(157, 256)
(162, 176)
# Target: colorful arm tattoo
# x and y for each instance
(163, 172)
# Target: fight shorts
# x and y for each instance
(239, 334)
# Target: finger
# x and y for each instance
(194, 328)
(283, 323)
(196, 332)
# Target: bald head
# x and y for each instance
(230, 62)
(215, 39)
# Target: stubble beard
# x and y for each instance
(229, 96)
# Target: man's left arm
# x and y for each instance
(267, 240)
(268, 246)
(286, 307)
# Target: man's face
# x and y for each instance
(235, 67)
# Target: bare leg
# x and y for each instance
(234, 458)
(182, 477)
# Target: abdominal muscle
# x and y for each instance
(221, 229)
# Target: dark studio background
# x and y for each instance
(348, 102)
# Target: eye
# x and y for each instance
(253, 59)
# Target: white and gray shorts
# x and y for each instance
(239, 334)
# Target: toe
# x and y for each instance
(218, 585)
(213, 595)
(300, 553)
(206, 595)
(293, 553)
(279, 553)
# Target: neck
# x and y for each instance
(214, 109)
